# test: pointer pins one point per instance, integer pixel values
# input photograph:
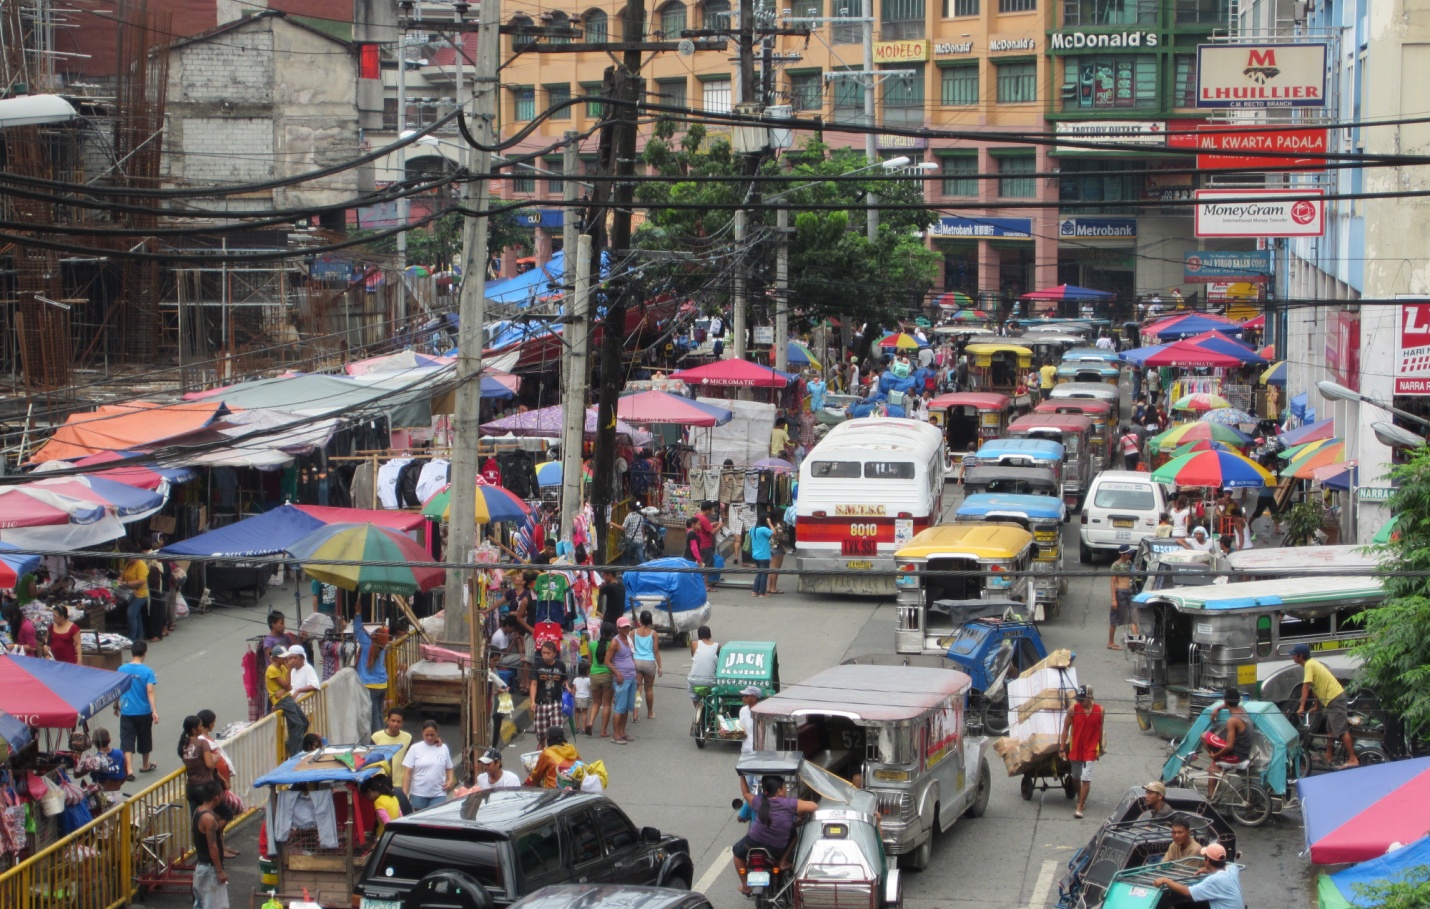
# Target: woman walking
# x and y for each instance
(646, 652)
(603, 682)
(621, 662)
(428, 766)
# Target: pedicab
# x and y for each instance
(676, 599)
(838, 857)
(1263, 788)
(323, 860)
(742, 664)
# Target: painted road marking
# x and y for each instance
(1044, 885)
(712, 874)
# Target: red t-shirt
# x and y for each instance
(704, 531)
(65, 647)
(1086, 735)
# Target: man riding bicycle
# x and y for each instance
(1233, 746)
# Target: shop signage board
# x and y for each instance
(900, 51)
(1374, 493)
(1076, 40)
(1220, 267)
(1227, 147)
(983, 228)
(1343, 348)
(1259, 213)
(952, 49)
(1008, 45)
(1412, 346)
(1097, 228)
(1151, 133)
(1261, 75)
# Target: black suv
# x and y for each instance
(515, 841)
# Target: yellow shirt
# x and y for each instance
(1323, 685)
(404, 739)
(778, 440)
(387, 809)
(136, 570)
(1047, 374)
(275, 679)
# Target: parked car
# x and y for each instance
(513, 842)
(611, 896)
(1122, 507)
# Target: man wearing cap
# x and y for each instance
(1220, 888)
(1154, 796)
(1121, 594)
(1082, 741)
(492, 775)
(277, 680)
(1332, 695)
(749, 697)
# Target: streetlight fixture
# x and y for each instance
(1394, 436)
(1337, 392)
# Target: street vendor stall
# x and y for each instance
(320, 829)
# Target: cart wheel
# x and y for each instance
(1144, 722)
(1027, 787)
(1069, 786)
(700, 741)
(682, 639)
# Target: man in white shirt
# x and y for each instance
(301, 674)
(1105, 342)
(925, 357)
(1200, 540)
(492, 775)
(749, 698)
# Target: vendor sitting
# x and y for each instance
(558, 755)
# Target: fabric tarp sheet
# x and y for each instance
(349, 707)
(114, 427)
(320, 395)
(1355, 815)
(261, 438)
(744, 440)
(376, 759)
(273, 531)
(62, 537)
(1338, 891)
(49, 694)
(13, 732)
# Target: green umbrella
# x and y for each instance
(360, 546)
(1386, 531)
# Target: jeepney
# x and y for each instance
(986, 550)
(1198, 641)
(969, 418)
(1094, 355)
(999, 367)
(1044, 517)
(1088, 373)
(1096, 391)
(1048, 346)
(901, 729)
(1074, 432)
(1018, 453)
(1025, 481)
(1100, 413)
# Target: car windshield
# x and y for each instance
(411, 856)
(1130, 496)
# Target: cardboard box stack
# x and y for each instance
(1037, 702)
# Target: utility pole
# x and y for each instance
(403, 209)
(575, 256)
(871, 141)
(462, 530)
(782, 291)
(737, 321)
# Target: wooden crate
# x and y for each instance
(437, 692)
(112, 659)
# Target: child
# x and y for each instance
(583, 696)
(692, 542)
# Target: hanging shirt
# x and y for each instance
(491, 472)
(432, 478)
(387, 476)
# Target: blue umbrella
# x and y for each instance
(1276, 375)
(1228, 416)
(14, 733)
(548, 473)
(12, 565)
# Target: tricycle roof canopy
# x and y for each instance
(870, 693)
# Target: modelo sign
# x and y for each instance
(1261, 75)
(1259, 213)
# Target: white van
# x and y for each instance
(1122, 507)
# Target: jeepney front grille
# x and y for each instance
(834, 894)
(895, 804)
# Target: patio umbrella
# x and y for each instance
(49, 694)
(800, 355)
(1256, 324)
(1305, 448)
(1187, 355)
(32, 506)
(1301, 468)
(14, 733)
(548, 421)
(665, 408)
(1220, 469)
(130, 503)
(365, 545)
(971, 315)
(1336, 476)
(1320, 429)
(1275, 374)
(1228, 416)
(1387, 531)
(900, 341)
(1200, 402)
(13, 565)
(418, 271)
(494, 505)
(1068, 292)
(778, 465)
(1355, 815)
(1201, 445)
(548, 473)
(142, 475)
(1190, 323)
(1192, 432)
(734, 373)
(1342, 890)
(954, 298)
(1268, 352)
(1225, 344)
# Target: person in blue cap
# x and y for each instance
(1332, 695)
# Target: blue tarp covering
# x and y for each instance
(1389, 867)
(685, 591)
(265, 534)
(529, 285)
(376, 759)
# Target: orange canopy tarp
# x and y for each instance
(118, 427)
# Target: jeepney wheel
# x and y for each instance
(979, 805)
(919, 859)
(1027, 787)
(682, 639)
(995, 717)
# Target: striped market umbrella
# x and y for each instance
(971, 315)
(1219, 469)
(363, 547)
(954, 298)
(900, 341)
(1196, 432)
(1302, 468)
(1228, 416)
(1201, 445)
(800, 355)
(13, 565)
(1305, 448)
(494, 505)
(1200, 402)
(1275, 374)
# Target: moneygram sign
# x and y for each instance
(1261, 75)
(1259, 213)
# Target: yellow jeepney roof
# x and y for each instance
(984, 348)
(982, 539)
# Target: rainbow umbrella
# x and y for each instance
(800, 355)
(900, 341)
(1305, 448)
(970, 315)
(1228, 416)
(1200, 402)
(1301, 468)
(1196, 432)
(1220, 469)
(494, 505)
(377, 560)
(1201, 445)
(548, 473)
(954, 298)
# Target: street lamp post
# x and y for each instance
(1337, 392)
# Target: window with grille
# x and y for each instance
(672, 19)
(559, 94)
(904, 96)
(1101, 83)
(846, 32)
(671, 92)
(593, 108)
(524, 181)
(597, 26)
(1110, 12)
(1017, 6)
(901, 19)
(554, 185)
(960, 85)
(848, 100)
(524, 106)
(559, 20)
(1202, 12)
(1095, 182)
(716, 96)
(808, 9)
(1017, 82)
(1010, 184)
(1184, 91)
(806, 91)
(959, 8)
(715, 14)
(958, 179)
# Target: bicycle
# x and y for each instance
(1237, 791)
(1313, 743)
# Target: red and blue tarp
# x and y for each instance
(1355, 815)
(271, 532)
(49, 694)
(14, 564)
(1341, 890)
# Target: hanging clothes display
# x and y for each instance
(491, 472)
(407, 483)
(518, 474)
(433, 477)
(387, 476)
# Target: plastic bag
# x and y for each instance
(568, 704)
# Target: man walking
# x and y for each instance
(1082, 741)
(1332, 695)
(138, 710)
(277, 680)
(210, 878)
(1121, 595)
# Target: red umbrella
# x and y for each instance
(738, 373)
(1184, 354)
(54, 695)
(1255, 324)
(663, 407)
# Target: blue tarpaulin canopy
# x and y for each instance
(271, 532)
(13, 732)
(1340, 889)
(375, 759)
